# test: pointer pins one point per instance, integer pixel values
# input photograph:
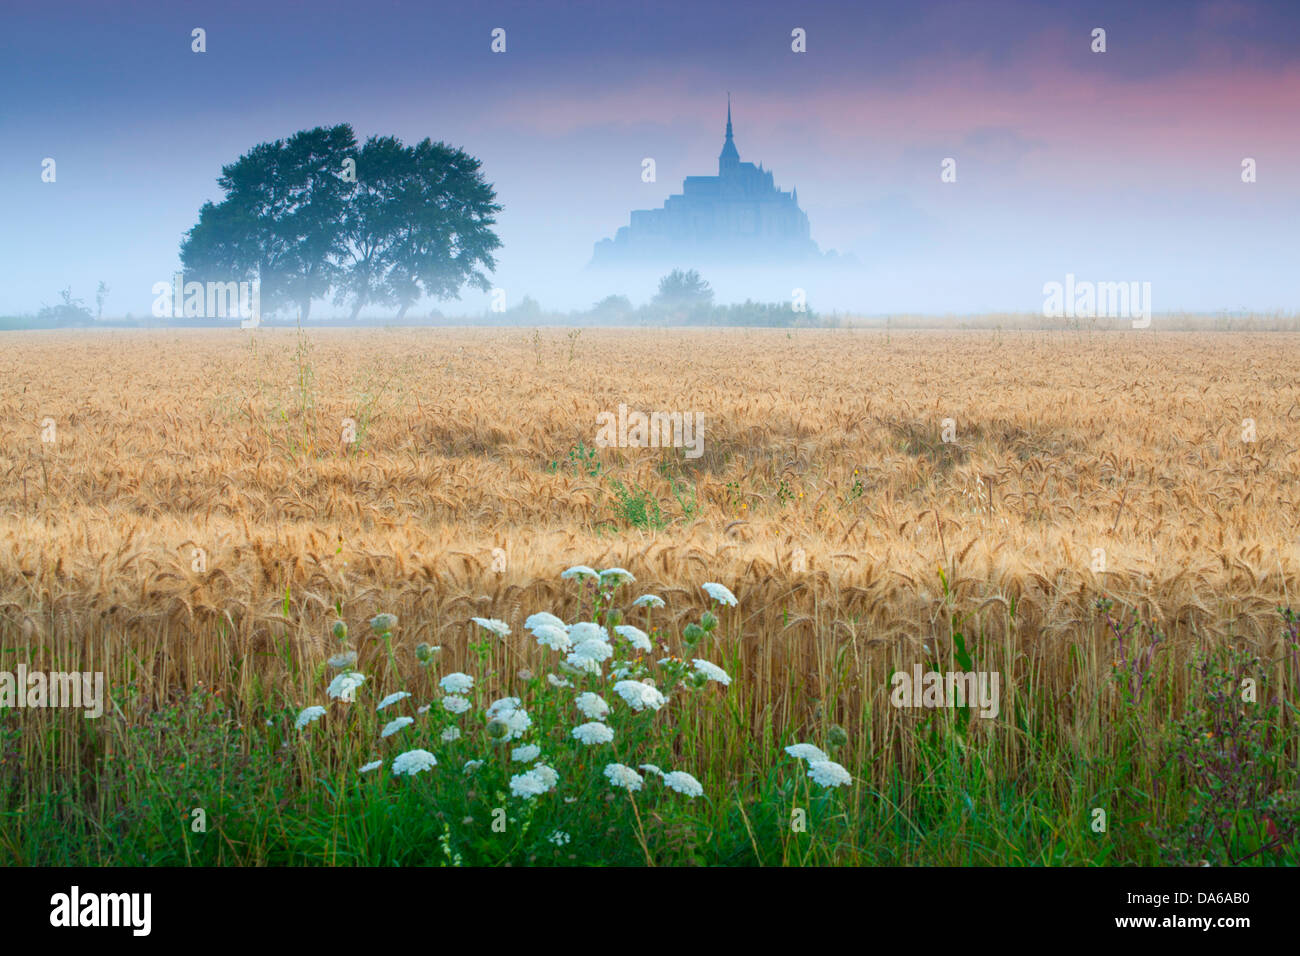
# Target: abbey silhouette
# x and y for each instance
(736, 217)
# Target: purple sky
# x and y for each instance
(1116, 166)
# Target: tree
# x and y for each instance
(370, 227)
(419, 225)
(70, 312)
(612, 308)
(101, 293)
(413, 221)
(683, 290)
(528, 308)
(280, 219)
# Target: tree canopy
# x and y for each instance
(683, 290)
(383, 224)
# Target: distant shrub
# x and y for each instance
(683, 290)
(612, 308)
(67, 313)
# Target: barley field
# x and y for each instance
(190, 512)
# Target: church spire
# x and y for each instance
(730, 156)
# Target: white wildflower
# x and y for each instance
(684, 783)
(343, 660)
(450, 734)
(393, 726)
(456, 683)
(712, 671)
(413, 762)
(542, 618)
(623, 776)
(651, 768)
(648, 600)
(827, 773)
(526, 753)
(514, 717)
(807, 752)
(584, 655)
(579, 571)
(556, 638)
(592, 706)
(502, 706)
(453, 704)
(392, 699)
(528, 785)
(720, 594)
(367, 767)
(499, 628)
(344, 687)
(592, 651)
(593, 733)
(308, 715)
(472, 765)
(587, 631)
(615, 576)
(582, 665)
(559, 838)
(635, 636)
(383, 623)
(517, 722)
(558, 681)
(545, 774)
(640, 695)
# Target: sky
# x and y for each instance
(1117, 166)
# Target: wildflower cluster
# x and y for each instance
(592, 716)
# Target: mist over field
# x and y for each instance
(1122, 165)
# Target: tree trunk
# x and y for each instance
(356, 310)
(402, 311)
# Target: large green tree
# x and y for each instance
(419, 225)
(280, 219)
(381, 225)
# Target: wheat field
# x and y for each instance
(191, 509)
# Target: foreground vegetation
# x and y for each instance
(583, 767)
(198, 531)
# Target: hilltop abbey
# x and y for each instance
(735, 217)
